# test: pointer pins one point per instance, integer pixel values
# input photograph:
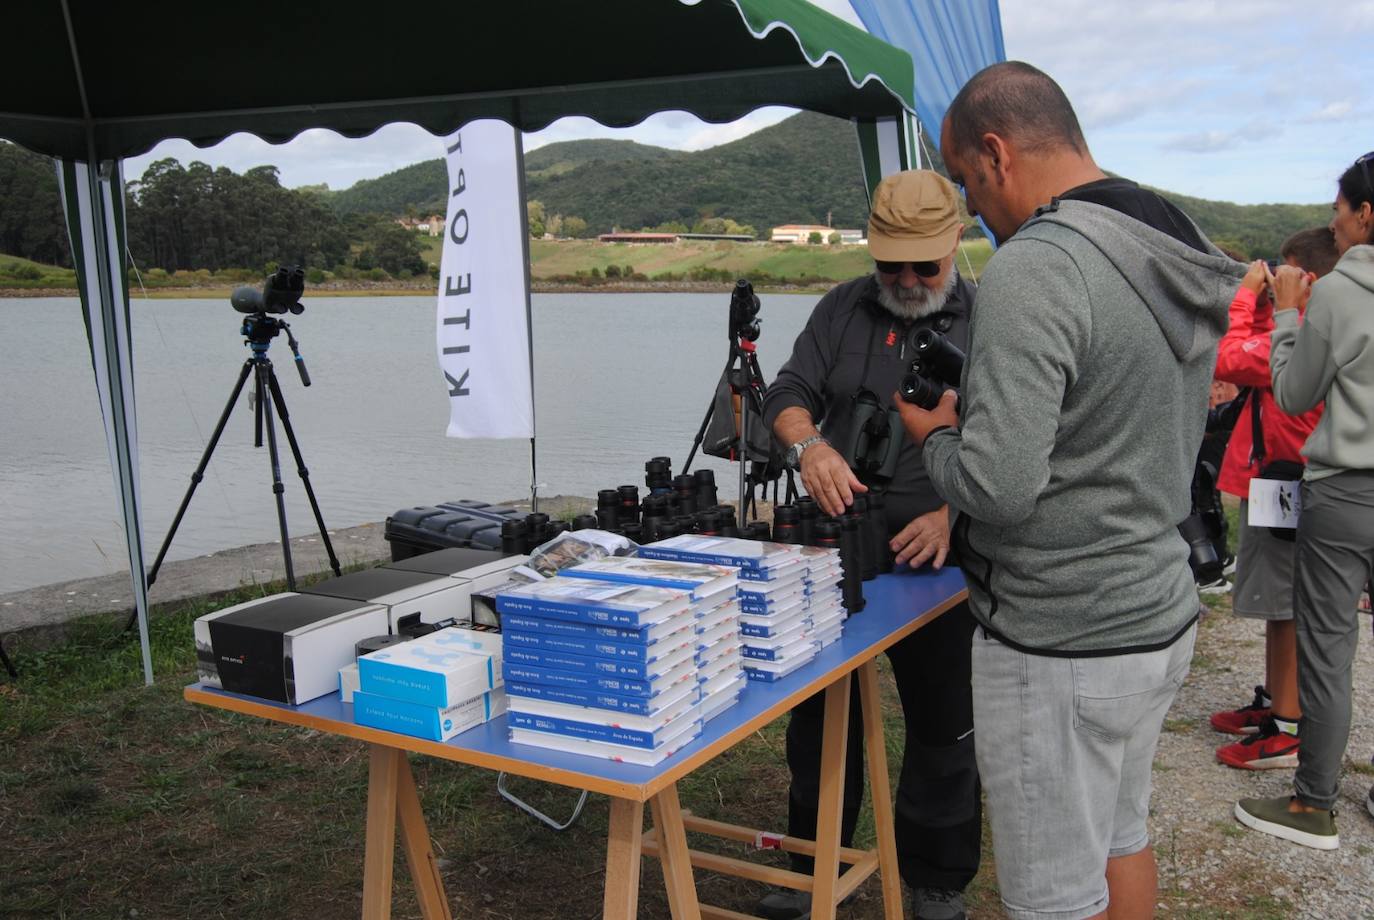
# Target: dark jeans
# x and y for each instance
(938, 809)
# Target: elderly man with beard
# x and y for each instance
(858, 339)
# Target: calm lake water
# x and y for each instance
(619, 378)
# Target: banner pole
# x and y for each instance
(529, 313)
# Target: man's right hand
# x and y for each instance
(828, 479)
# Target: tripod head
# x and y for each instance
(258, 331)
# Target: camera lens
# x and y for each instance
(584, 522)
(827, 533)
(757, 530)
(706, 488)
(512, 537)
(629, 503)
(608, 498)
(658, 474)
(786, 514)
(633, 532)
(708, 523)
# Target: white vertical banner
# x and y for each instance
(482, 326)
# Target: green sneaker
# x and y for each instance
(1316, 829)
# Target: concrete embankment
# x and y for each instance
(53, 605)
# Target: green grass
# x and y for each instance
(117, 798)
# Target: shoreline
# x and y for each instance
(401, 289)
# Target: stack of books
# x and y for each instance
(432, 687)
(823, 593)
(712, 589)
(607, 670)
(776, 626)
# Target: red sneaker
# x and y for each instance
(1268, 749)
(1247, 719)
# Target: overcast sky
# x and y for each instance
(1239, 100)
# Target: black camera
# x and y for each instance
(873, 439)
(744, 311)
(280, 293)
(936, 367)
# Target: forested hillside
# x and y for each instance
(802, 170)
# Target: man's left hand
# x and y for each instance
(926, 539)
(920, 422)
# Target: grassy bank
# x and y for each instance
(554, 265)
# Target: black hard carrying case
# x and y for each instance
(456, 524)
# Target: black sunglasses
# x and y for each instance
(924, 269)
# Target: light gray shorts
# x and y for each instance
(1065, 747)
(1263, 588)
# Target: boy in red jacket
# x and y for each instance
(1264, 567)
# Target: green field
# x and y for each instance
(562, 258)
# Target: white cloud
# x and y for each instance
(1204, 141)
(1332, 111)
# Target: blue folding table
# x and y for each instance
(897, 605)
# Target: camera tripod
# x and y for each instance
(747, 386)
(258, 330)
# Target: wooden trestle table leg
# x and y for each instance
(391, 797)
(623, 840)
(677, 862)
(834, 739)
(880, 790)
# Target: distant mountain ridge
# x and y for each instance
(804, 169)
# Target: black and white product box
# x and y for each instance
(609, 665)
(483, 570)
(434, 597)
(287, 647)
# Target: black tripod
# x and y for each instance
(259, 330)
(9, 665)
(747, 385)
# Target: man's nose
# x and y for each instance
(907, 277)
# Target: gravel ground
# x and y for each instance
(1205, 856)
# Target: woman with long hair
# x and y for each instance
(1329, 357)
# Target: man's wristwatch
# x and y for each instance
(794, 453)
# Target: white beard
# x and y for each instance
(916, 302)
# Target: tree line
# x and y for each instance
(182, 218)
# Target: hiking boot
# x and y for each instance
(785, 904)
(1245, 720)
(937, 904)
(1267, 749)
(1316, 829)
(1220, 586)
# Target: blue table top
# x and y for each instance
(895, 603)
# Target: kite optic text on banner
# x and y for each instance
(483, 319)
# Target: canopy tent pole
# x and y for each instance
(93, 201)
(529, 312)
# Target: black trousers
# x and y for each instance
(938, 809)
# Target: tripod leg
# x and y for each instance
(196, 478)
(300, 466)
(264, 420)
(9, 665)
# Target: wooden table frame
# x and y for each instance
(393, 802)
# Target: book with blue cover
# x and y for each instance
(611, 702)
(690, 731)
(702, 580)
(596, 648)
(523, 622)
(559, 659)
(772, 671)
(522, 672)
(595, 602)
(763, 604)
(754, 559)
(799, 646)
(601, 725)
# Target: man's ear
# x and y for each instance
(998, 155)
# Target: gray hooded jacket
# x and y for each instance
(1084, 398)
(1331, 357)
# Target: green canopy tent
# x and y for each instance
(91, 83)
